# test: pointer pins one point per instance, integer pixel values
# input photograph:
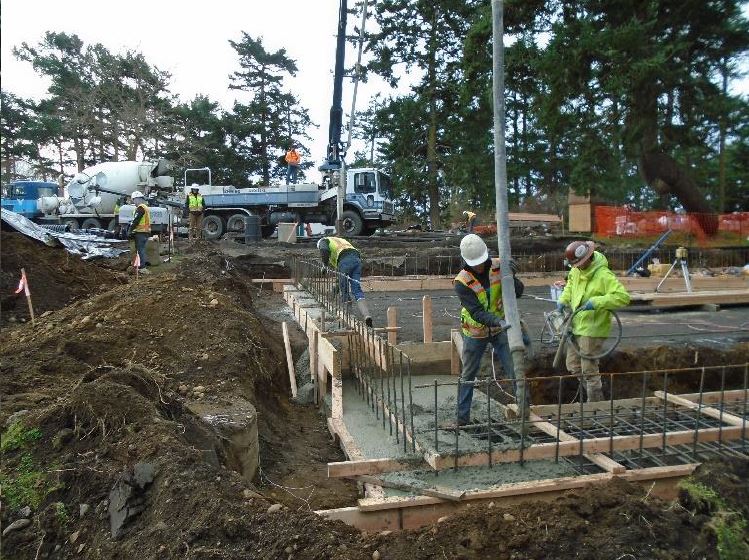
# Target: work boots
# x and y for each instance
(364, 310)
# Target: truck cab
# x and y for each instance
(369, 201)
(20, 196)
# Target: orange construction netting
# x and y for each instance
(620, 221)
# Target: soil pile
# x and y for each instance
(55, 277)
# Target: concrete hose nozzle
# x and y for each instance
(364, 310)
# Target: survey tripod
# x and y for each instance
(681, 259)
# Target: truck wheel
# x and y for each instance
(71, 223)
(213, 227)
(267, 231)
(236, 223)
(91, 223)
(352, 223)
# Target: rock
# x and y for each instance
(199, 389)
(74, 537)
(15, 417)
(45, 314)
(25, 512)
(86, 319)
(128, 496)
(99, 325)
(204, 357)
(61, 438)
(144, 474)
(385, 533)
(17, 525)
(160, 526)
(508, 517)
(443, 518)
(83, 509)
(491, 504)
(80, 548)
(376, 555)
(274, 508)
(183, 389)
(288, 550)
(213, 303)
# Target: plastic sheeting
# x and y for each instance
(87, 245)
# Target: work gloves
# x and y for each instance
(587, 306)
(501, 324)
(561, 307)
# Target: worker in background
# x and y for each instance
(594, 290)
(195, 206)
(292, 162)
(470, 220)
(482, 319)
(342, 256)
(140, 227)
(117, 205)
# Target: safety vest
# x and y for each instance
(144, 226)
(292, 157)
(195, 203)
(491, 302)
(116, 210)
(470, 215)
(337, 246)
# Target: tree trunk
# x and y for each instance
(433, 187)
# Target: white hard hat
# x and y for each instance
(137, 194)
(194, 186)
(465, 212)
(321, 242)
(473, 250)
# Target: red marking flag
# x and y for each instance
(23, 284)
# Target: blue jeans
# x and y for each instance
(473, 351)
(140, 246)
(291, 171)
(349, 267)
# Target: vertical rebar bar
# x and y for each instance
(386, 358)
(743, 415)
(642, 411)
(457, 425)
(403, 400)
(378, 358)
(489, 421)
(582, 414)
(523, 415)
(411, 404)
(611, 414)
(559, 417)
(665, 408)
(722, 405)
(699, 413)
(436, 419)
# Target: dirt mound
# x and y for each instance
(617, 520)
(55, 277)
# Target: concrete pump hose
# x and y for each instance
(568, 338)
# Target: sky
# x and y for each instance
(191, 41)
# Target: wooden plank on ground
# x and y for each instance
(371, 466)
(723, 416)
(718, 297)
(714, 397)
(438, 492)
(289, 359)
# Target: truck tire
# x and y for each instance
(213, 227)
(91, 223)
(236, 223)
(352, 223)
(267, 231)
(71, 223)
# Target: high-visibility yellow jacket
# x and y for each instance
(337, 245)
(144, 226)
(600, 286)
(195, 202)
(491, 300)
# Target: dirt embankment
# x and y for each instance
(56, 277)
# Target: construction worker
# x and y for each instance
(140, 227)
(117, 205)
(292, 161)
(478, 286)
(342, 256)
(470, 220)
(195, 205)
(593, 290)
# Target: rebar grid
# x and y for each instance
(384, 380)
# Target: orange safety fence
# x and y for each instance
(620, 221)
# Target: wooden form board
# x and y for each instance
(371, 466)
(715, 397)
(723, 416)
(718, 297)
(398, 513)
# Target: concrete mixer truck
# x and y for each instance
(90, 198)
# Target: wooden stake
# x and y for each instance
(392, 323)
(426, 309)
(27, 291)
(289, 359)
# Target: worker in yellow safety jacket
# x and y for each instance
(140, 227)
(593, 289)
(195, 206)
(344, 258)
(470, 220)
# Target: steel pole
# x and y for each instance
(509, 301)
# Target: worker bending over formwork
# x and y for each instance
(344, 258)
